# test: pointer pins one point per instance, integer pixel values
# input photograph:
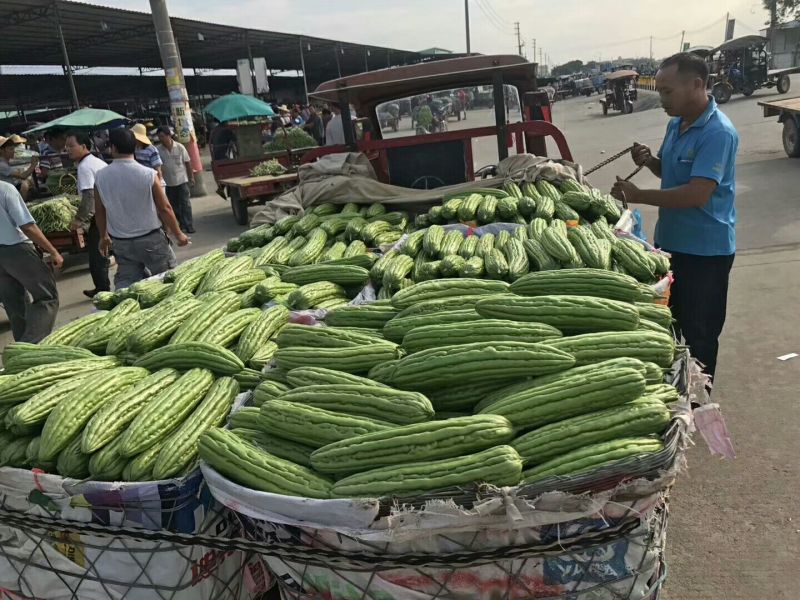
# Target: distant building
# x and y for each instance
(784, 44)
(435, 51)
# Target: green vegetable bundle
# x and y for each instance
(54, 215)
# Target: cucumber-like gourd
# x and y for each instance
(443, 288)
(593, 457)
(248, 465)
(578, 282)
(312, 426)
(643, 416)
(569, 314)
(180, 449)
(499, 466)
(373, 316)
(647, 346)
(411, 443)
(69, 417)
(285, 449)
(112, 418)
(569, 397)
(374, 401)
(188, 355)
(486, 330)
(166, 412)
(481, 361)
(357, 359)
(262, 329)
(22, 386)
(303, 376)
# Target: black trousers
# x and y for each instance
(98, 264)
(699, 299)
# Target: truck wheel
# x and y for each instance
(791, 137)
(239, 207)
(627, 107)
(748, 89)
(605, 108)
(784, 83)
(721, 92)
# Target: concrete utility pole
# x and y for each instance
(683, 34)
(519, 38)
(303, 66)
(651, 47)
(65, 56)
(466, 21)
(176, 88)
(534, 49)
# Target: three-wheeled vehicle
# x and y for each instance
(788, 113)
(741, 66)
(621, 91)
(442, 158)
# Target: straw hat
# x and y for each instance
(283, 108)
(140, 133)
(12, 139)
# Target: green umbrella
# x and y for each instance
(234, 107)
(84, 118)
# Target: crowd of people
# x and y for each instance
(128, 208)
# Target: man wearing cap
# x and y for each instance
(23, 272)
(178, 176)
(77, 145)
(19, 178)
(146, 153)
(131, 208)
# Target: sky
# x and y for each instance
(564, 29)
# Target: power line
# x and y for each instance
(495, 13)
(492, 20)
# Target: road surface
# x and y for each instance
(734, 530)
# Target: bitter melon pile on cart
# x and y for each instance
(504, 343)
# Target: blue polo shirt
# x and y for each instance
(706, 149)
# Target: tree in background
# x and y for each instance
(782, 10)
(569, 67)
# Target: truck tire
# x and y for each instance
(627, 108)
(239, 207)
(791, 137)
(748, 89)
(784, 83)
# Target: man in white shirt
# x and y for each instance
(78, 147)
(334, 130)
(22, 271)
(130, 209)
(178, 175)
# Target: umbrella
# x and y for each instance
(238, 106)
(84, 118)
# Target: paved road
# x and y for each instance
(735, 526)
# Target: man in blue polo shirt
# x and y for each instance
(696, 210)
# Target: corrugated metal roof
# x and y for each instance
(98, 36)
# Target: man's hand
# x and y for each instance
(105, 246)
(34, 161)
(56, 260)
(625, 190)
(641, 154)
(182, 239)
(75, 225)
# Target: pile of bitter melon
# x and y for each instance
(455, 382)
(494, 358)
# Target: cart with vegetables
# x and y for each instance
(477, 395)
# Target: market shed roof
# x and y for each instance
(98, 36)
